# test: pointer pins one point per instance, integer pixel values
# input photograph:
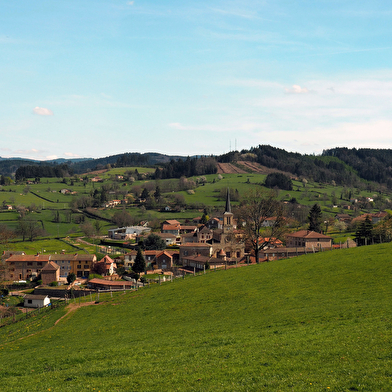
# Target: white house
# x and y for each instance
(36, 301)
(128, 232)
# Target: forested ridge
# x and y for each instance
(340, 165)
(370, 164)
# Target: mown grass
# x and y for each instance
(51, 246)
(314, 323)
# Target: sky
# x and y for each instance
(93, 78)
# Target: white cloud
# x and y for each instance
(42, 111)
(71, 155)
(51, 157)
(295, 89)
(130, 2)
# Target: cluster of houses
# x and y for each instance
(375, 217)
(215, 243)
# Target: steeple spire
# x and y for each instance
(228, 206)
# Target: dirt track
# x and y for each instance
(227, 168)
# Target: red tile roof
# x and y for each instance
(308, 234)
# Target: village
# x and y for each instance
(178, 249)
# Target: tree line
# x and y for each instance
(38, 171)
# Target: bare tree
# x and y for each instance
(254, 213)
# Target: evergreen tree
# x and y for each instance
(364, 233)
(139, 264)
(157, 193)
(315, 218)
(204, 219)
(144, 194)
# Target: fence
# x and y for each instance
(11, 314)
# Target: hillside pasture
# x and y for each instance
(314, 323)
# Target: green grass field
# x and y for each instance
(321, 322)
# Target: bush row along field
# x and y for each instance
(320, 322)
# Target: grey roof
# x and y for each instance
(32, 296)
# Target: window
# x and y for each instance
(39, 263)
(29, 263)
(29, 301)
(79, 267)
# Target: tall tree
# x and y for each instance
(315, 218)
(253, 213)
(364, 233)
(140, 264)
(144, 194)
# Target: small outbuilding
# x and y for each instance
(36, 301)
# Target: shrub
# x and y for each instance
(4, 291)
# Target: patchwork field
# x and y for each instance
(314, 323)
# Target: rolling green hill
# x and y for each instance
(319, 322)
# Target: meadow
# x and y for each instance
(320, 322)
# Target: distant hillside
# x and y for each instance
(349, 167)
(370, 164)
(9, 166)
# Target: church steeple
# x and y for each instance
(227, 216)
(228, 206)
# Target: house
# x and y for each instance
(64, 263)
(308, 239)
(23, 267)
(82, 265)
(164, 260)
(199, 262)
(170, 239)
(378, 217)
(346, 218)
(36, 301)
(50, 273)
(187, 229)
(128, 232)
(153, 257)
(214, 223)
(171, 229)
(106, 266)
(129, 259)
(171, 222)
(111, 203)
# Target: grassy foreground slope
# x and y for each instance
(315, 323)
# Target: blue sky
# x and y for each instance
(92, 78)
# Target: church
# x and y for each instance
(217, 246)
